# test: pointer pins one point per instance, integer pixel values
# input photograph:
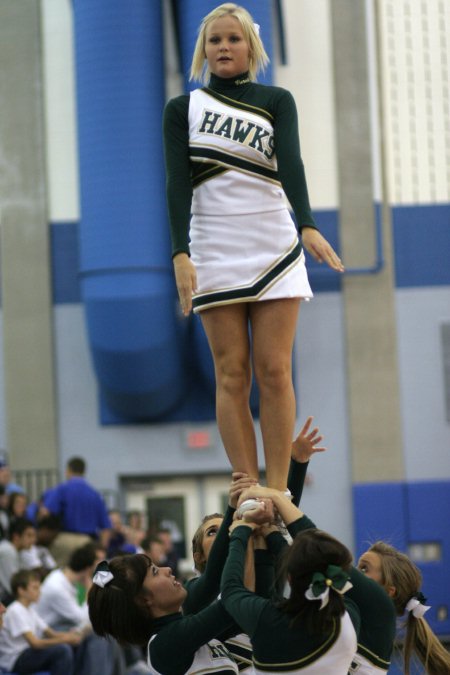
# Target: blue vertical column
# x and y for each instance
(126, 271)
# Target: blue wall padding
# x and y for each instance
(422, 244)
(404, 514)
(409, 247)
(379, 513)
(190, 15)
(126, 273)
(429, 522)
(65, 262)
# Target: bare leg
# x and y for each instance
(227, 330)
(273, 325)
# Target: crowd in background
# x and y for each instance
(49, 549)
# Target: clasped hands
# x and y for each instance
(264, 512)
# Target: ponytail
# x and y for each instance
(421, 641)
(315, 566)
(400, 573)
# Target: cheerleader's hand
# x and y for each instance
(306, 443)
(186, 280)
(240, 482)
(320, 249)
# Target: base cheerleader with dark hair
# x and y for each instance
(310, 565)
(138, 603)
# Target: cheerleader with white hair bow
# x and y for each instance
(402, 580)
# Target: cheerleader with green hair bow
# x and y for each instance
(330, 605)
(334, 579)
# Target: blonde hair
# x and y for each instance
(197, 540)
(399, 572)
(257, 59)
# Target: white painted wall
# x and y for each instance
(426, 432)
(309, 77)
(60, 110)
(416, 95)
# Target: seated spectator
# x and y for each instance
(5, 475)
(154, 548)
(17, 505)
(22, 536)
(27, 644)
(58, 606)
(82, 509)
(38, 556)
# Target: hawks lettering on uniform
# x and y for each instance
(237, 129)
(218, 651)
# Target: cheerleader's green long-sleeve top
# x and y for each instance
(204, 589)
(277, 646)
(179, 635)
(378, 622)
(376, 609)
(377, 618)
(275, 102)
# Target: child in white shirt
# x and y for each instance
(27, 644)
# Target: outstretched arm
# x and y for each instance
(243, 605)
(204, 589)
(303, 447)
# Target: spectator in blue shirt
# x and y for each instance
(82, 511)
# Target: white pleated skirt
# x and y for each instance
(247, 258)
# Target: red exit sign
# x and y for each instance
(198, 440)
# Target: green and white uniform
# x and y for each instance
(187, 645)
(375, 608)
(204, 589)
(232, 157)
(240, 645)
(362, 666)
(277, 646)
(377, 611)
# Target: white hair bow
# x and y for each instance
(103, 574)
(256, 26)
(417, 608)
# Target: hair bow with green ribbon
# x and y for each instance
(334, 578)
